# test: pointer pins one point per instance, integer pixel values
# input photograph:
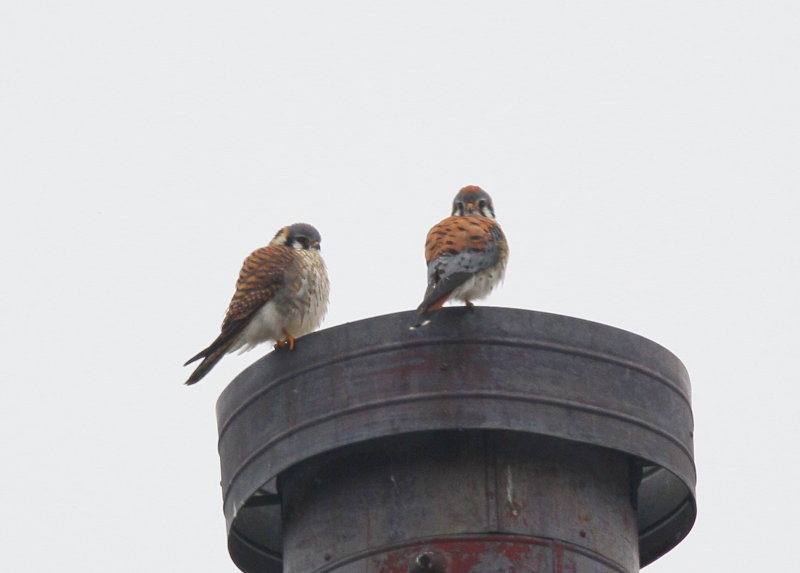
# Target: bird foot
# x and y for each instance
(288, 340)
(470, 304)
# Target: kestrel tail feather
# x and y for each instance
(440, 292)
(206, 365)
(198, 356)
(425, 312)
(435, 305)
(215, 351)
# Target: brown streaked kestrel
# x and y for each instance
(466, 252)
(281, 294)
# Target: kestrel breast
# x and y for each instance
(279, 289)
(309, 301)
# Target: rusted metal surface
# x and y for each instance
(480, 369)
(359, 509)
(491, 554)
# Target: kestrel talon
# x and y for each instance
(281, 294)
(466, 252)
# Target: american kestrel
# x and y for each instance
(466, 252)
(281, 294)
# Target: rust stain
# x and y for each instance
(558, 557)
(479, 554)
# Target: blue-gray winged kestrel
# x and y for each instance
(466, 252)
(281, 294)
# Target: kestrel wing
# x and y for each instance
(456, 249)
(262, 275)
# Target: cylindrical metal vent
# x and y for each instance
(493, 438)
(460, 498)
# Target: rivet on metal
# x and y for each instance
(427, 562)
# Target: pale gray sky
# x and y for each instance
(644, 162)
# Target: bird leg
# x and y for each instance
(287, 340)
(470, 304)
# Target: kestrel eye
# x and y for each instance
(481, 203)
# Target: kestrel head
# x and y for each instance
(298, 236)
(472, 200)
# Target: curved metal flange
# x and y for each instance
(479, 368)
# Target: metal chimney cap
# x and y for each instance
(478, 368)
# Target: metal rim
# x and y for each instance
(480, 368)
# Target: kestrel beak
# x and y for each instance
(470, 208)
